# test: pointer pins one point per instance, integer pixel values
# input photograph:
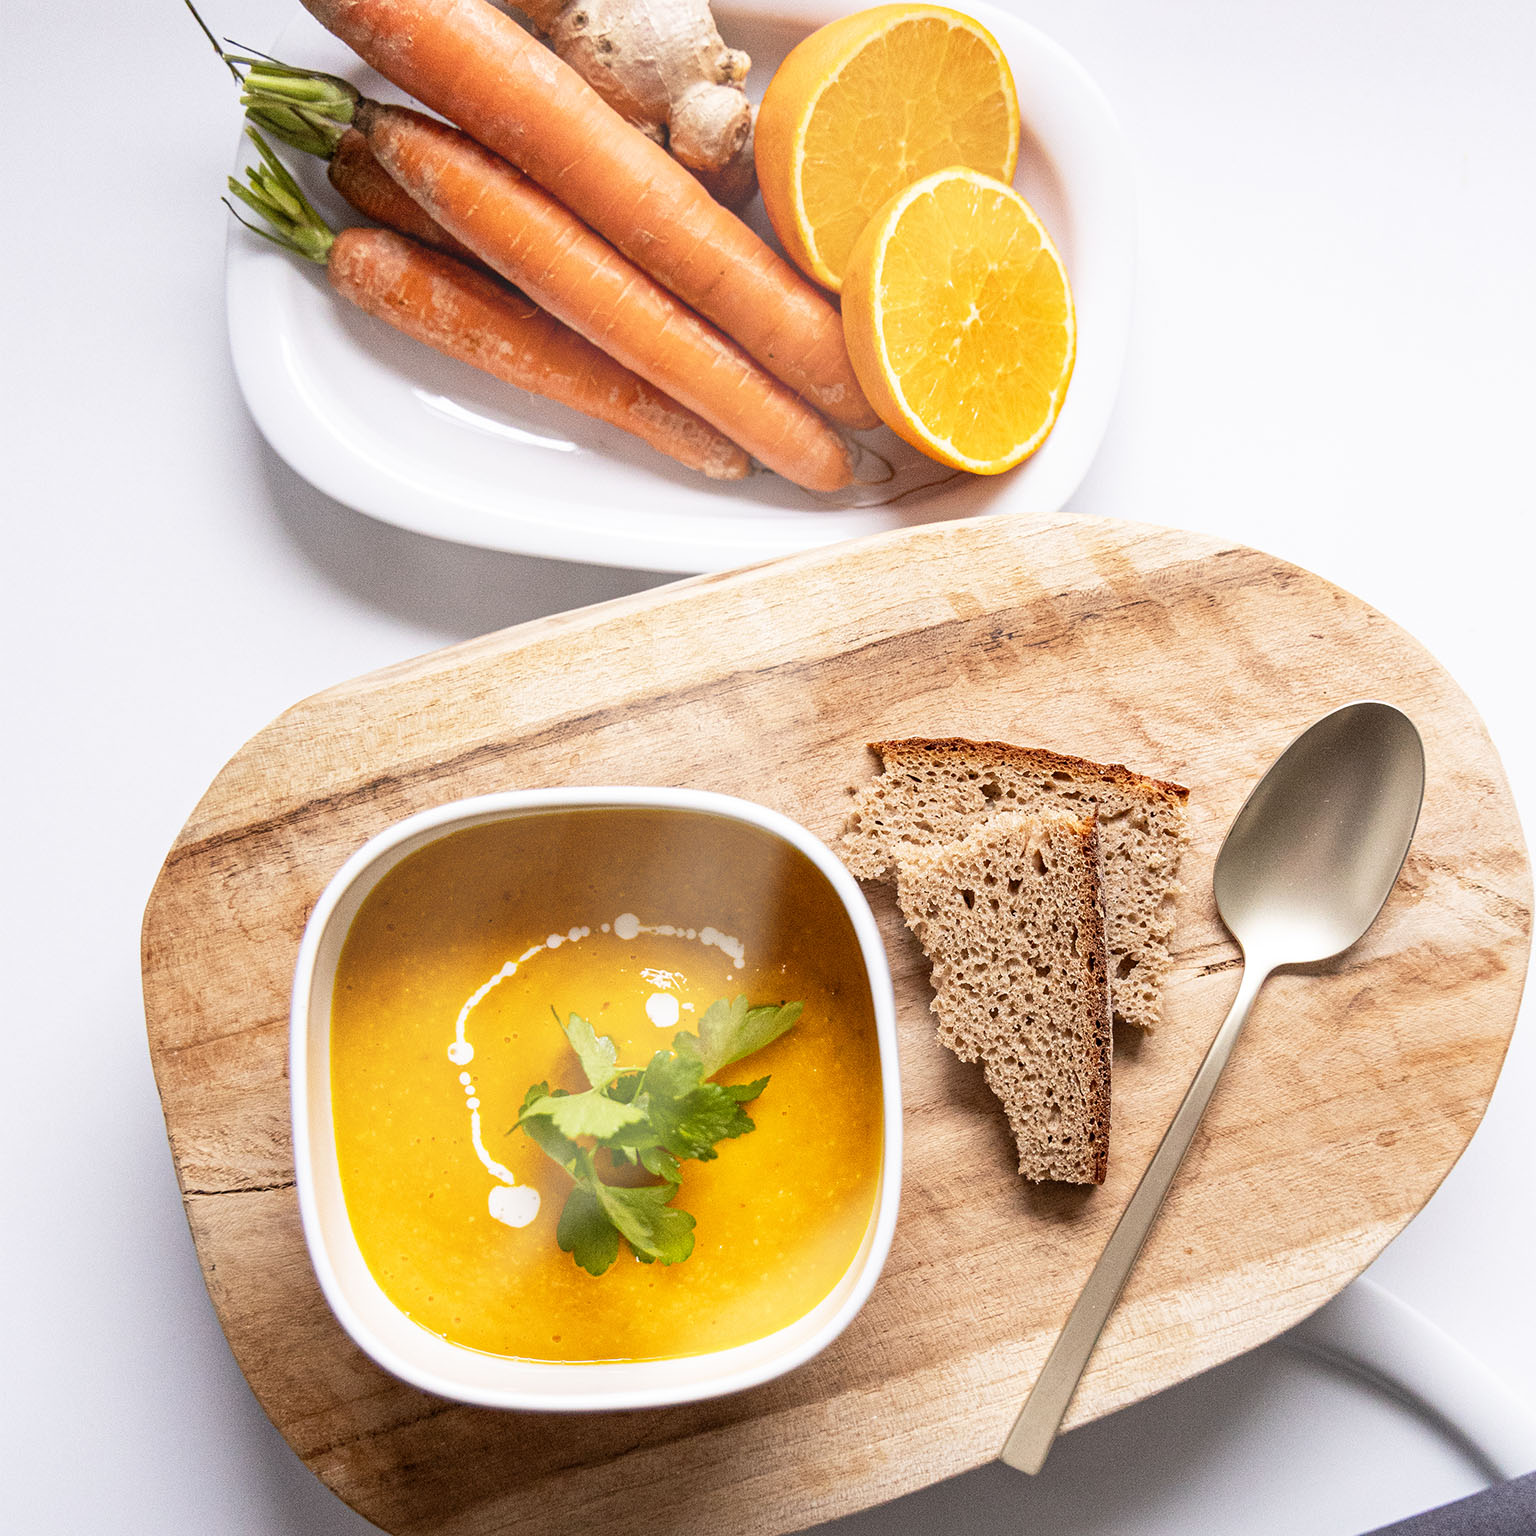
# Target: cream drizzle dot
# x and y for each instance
(661, 1008)
(513, 1205)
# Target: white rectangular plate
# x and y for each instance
(389, 427)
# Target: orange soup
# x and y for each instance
(637, 920)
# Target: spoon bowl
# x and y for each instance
(1315, 850)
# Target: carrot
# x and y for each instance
(370, 189)
(537, 243)
(466, 314)
(476, 66)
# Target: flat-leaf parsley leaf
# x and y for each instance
(730, 1030)
(658, 1116)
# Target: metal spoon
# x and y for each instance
(1304, 870)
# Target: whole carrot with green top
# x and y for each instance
(466, 314)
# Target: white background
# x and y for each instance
(1331, 358)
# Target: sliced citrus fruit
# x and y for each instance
(866, 106)
(959, 321)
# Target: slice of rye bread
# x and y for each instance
(1012, 919)
(936, 790)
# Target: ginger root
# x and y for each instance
(661, 64)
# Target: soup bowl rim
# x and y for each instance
(458, 1372)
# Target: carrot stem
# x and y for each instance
(304, 108)
(308, 112)
(311, 112)
(211, 38)
(272, 193)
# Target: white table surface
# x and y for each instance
(1332, 359)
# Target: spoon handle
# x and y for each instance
(1035, 1429)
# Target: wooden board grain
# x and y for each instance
(1355, 1087)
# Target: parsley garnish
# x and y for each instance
(658, 1116)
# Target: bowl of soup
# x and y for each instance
(491, 961)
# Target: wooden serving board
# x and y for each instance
(1353, 1091)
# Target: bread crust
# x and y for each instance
(1092, 894)
(1036, 758)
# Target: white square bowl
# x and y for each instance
(434, 1364)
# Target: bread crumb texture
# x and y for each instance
(1012, 919)
(937, 790)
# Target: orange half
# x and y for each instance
(865, 107)
(959, 321)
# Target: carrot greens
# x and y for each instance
(307, 110)
(270, 191)
(304, 108)
(657, 1117)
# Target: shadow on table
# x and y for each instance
(458, 589)
(1254, 1446)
